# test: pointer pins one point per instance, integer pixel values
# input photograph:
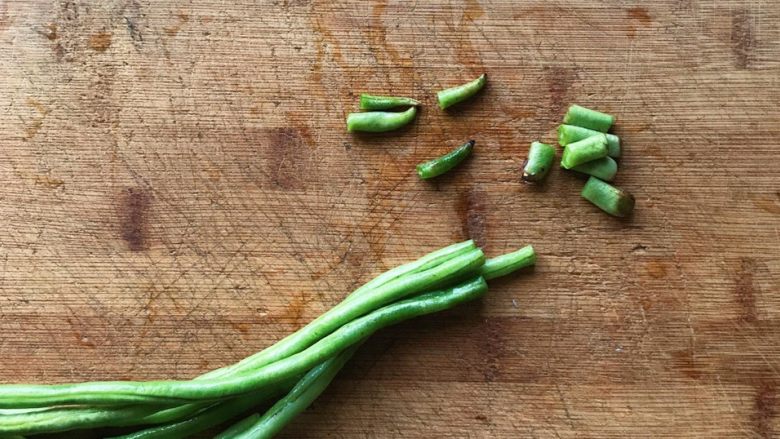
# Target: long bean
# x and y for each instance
(112, 416)
(314, 382)
(286, 409)
(197, 390)
(419, 305)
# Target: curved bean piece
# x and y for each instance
(456, 95)
(440, 165)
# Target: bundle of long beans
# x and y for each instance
(296, 369)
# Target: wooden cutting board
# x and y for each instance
(177, 191)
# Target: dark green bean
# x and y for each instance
(569, 134)
(371, 102)
(379, 121)
(610, 199)
(456, 95)
(440, 165)
(16, 396)
(604, 168)
(585, 150)
(539, 161)
(587, 118)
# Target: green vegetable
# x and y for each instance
(371, 102)
(585, 150)
(569, 134)
(440, 165)
(214, 415)
(509, 262)
(291, 344)
(604, 168)
(455, 95)
(209, 414)
(539, 161)
(614, 201)
(587, 118)
(121, 392)
(286, 409)
(379, 121)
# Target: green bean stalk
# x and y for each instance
(432, 271)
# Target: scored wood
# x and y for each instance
(178, 191)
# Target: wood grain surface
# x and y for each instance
(177, 191)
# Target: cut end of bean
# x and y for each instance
(610, 199)
(540, 160)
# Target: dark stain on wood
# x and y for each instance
(764, 410)
(767, 203)
(685, 362)
(471, 208)
(100, 41)
(50, 31)
(656, 269)
(559, 79)
(636, 15)
(743, 39)
(133, 212)
(287, 162)
(640, 14)
(744, 290)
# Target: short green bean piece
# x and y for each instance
(585, 150)
(539, 161)
(569, 134)
(587, 118)
(301, 396)
(456, 95)
(372, 102)
(379, 121)
(435, 167)
(604, 168)
(610, 199)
